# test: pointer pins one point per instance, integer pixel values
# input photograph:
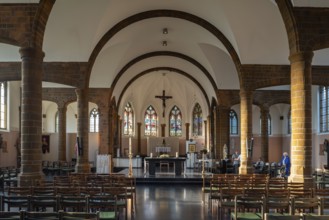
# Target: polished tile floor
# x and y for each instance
(171, 202)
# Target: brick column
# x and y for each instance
(31, 123)
(62, 132)
(264, 113)
(187, 131)
(163, 130)
(139, 137)
(104, 129)
(246, 130)
(224, 129)
(82, 165)
(301, 117)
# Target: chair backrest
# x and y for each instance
(275, 216)
(78, 215)
(102, 203)
(13, 215)
(19, 190)
(249, 203)
(280, 204)
(305, 203)
(315, 217)
(40, 215)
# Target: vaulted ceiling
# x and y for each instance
(128, 40)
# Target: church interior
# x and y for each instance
(168, 89)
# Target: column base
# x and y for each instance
(29, 179)
(246, 170)
(301, 179)
(82, 168)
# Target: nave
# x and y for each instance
(171, 202)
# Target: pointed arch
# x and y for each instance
(128, 120)
(94, 120)
(175, 122)
(197, 120)
(234, 125)
(151, 121)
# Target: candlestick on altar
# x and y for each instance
(130, 173)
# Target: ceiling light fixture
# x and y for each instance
(164, 43)
(165, 31)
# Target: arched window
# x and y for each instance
(128, 120)
(269, 124)
(233, 122)
(94, 120)
(289, 121)
(151, 121)
(3, 105)
(324, 108)
(197, 120)
(56, 122)
(175, 122)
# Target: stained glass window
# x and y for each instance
(128, 120)
(3, 105)
(151, 122)
(197, 120)
(269, 124)
(324, 108)
(175, 122)
(233, 122)
(94, 120)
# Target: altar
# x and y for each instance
(162, 145)
(178, 162)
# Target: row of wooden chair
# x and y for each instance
(274, 198)
(60, 215)
(302, 216)
(37, 197)
(100, 180)
(255, 206)
(90, 203)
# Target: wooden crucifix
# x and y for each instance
(163, 97)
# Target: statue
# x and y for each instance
(326, 149)
(225, 151)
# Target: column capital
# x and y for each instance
(304, 56)
(246, 92)
(81, 91)
(264, 108)
(29, 52)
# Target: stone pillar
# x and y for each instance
(139, 137)
(163, 130)
(187, 131)
(301, 117)
(103, 111)
(224, 130)
(246, 130)
(62, 132)
(82, 165)
(264, 114)
(31, 123)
